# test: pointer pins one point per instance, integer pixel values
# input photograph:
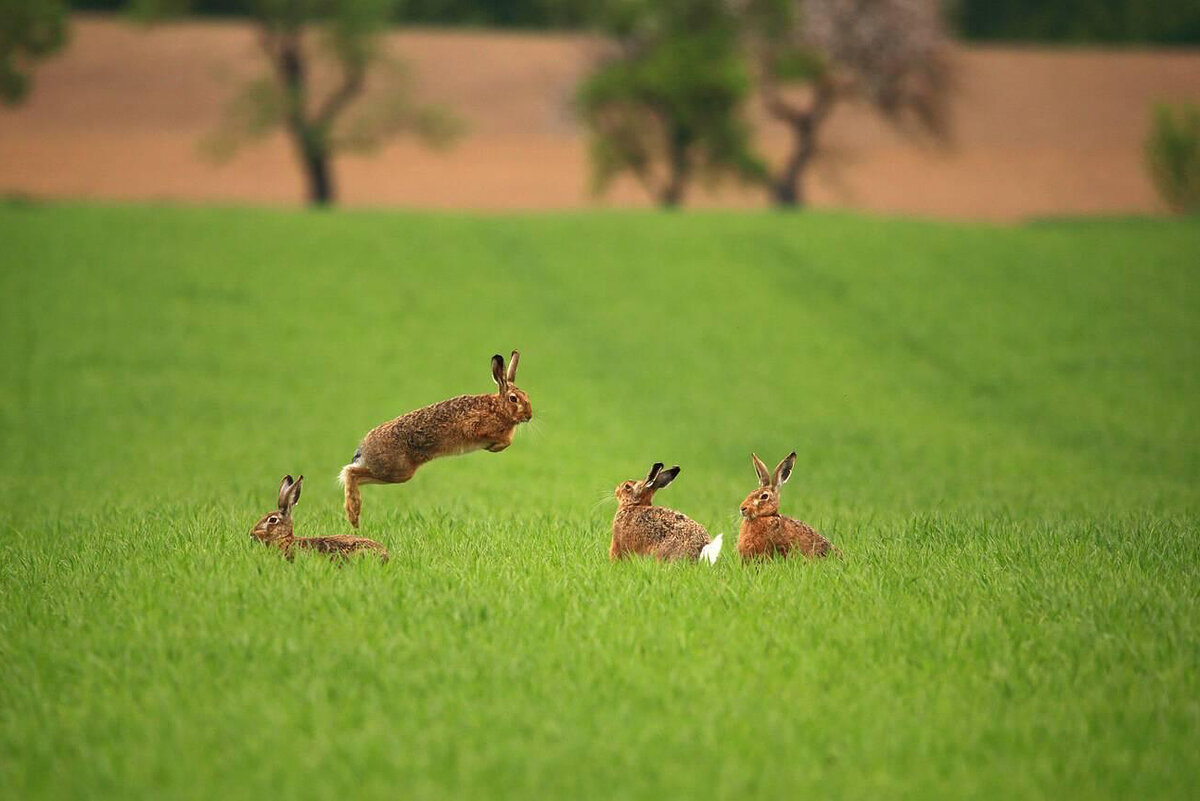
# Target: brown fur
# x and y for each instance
(275, 529)
(392, 452)
(764, 532)
(646, 530)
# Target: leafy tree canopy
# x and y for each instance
(665, 106)
(30, 30)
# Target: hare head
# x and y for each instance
(514, 403)
(641, 493)
(275, 528)
(764, 501)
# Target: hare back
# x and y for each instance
(805, 538)
(393, 450)
(342, 545)
(777, 535)
(657, 531)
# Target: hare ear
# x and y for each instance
(665, 477)
(764, 475)
(498, 372)
(511, 375)
(294, 493)
(285, 487)
(654, 468)
(784, 471)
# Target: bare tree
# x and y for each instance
(811, 54)
(342, 37)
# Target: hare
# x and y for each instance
(639, 528)
(390, 453)
(766, 533)
(275, 528)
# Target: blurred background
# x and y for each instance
(975, 109)
(997, 422)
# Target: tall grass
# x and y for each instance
(997, 426)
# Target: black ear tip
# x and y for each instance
(288, 479)
(792, 455)
(675, 470)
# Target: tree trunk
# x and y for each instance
(307, 135)
(787, 186)
(671, 196)
(787, 189)
(320, 181)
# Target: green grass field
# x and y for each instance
(997, 425)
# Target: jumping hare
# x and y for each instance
(390, 453)
(639, 528)
(275, 529)
(766, 533)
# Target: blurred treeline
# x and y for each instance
(1080, 21)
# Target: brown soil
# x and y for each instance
(121, 112)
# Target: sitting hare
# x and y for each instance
(764, 532)
(275, 528)
(390, 453)
(639, 528)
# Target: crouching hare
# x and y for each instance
(275, 529)
(766, 533)
(639, 528)
(390, 453)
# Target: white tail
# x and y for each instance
(710, 552)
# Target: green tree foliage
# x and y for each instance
(30, 30)
(1173, 155)
(666, 105)
(301, 38)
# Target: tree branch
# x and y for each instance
(776, 106)
(283, 47)
(353, 80)
(825, 94)
(827, 88)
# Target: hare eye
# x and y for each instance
(764, 496)
(273, 519)
(628, 485)
(512, 398)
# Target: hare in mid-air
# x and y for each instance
(766, 533)
(275, 529)
(390, 453)
(639, 528)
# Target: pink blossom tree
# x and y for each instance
(808, 55)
